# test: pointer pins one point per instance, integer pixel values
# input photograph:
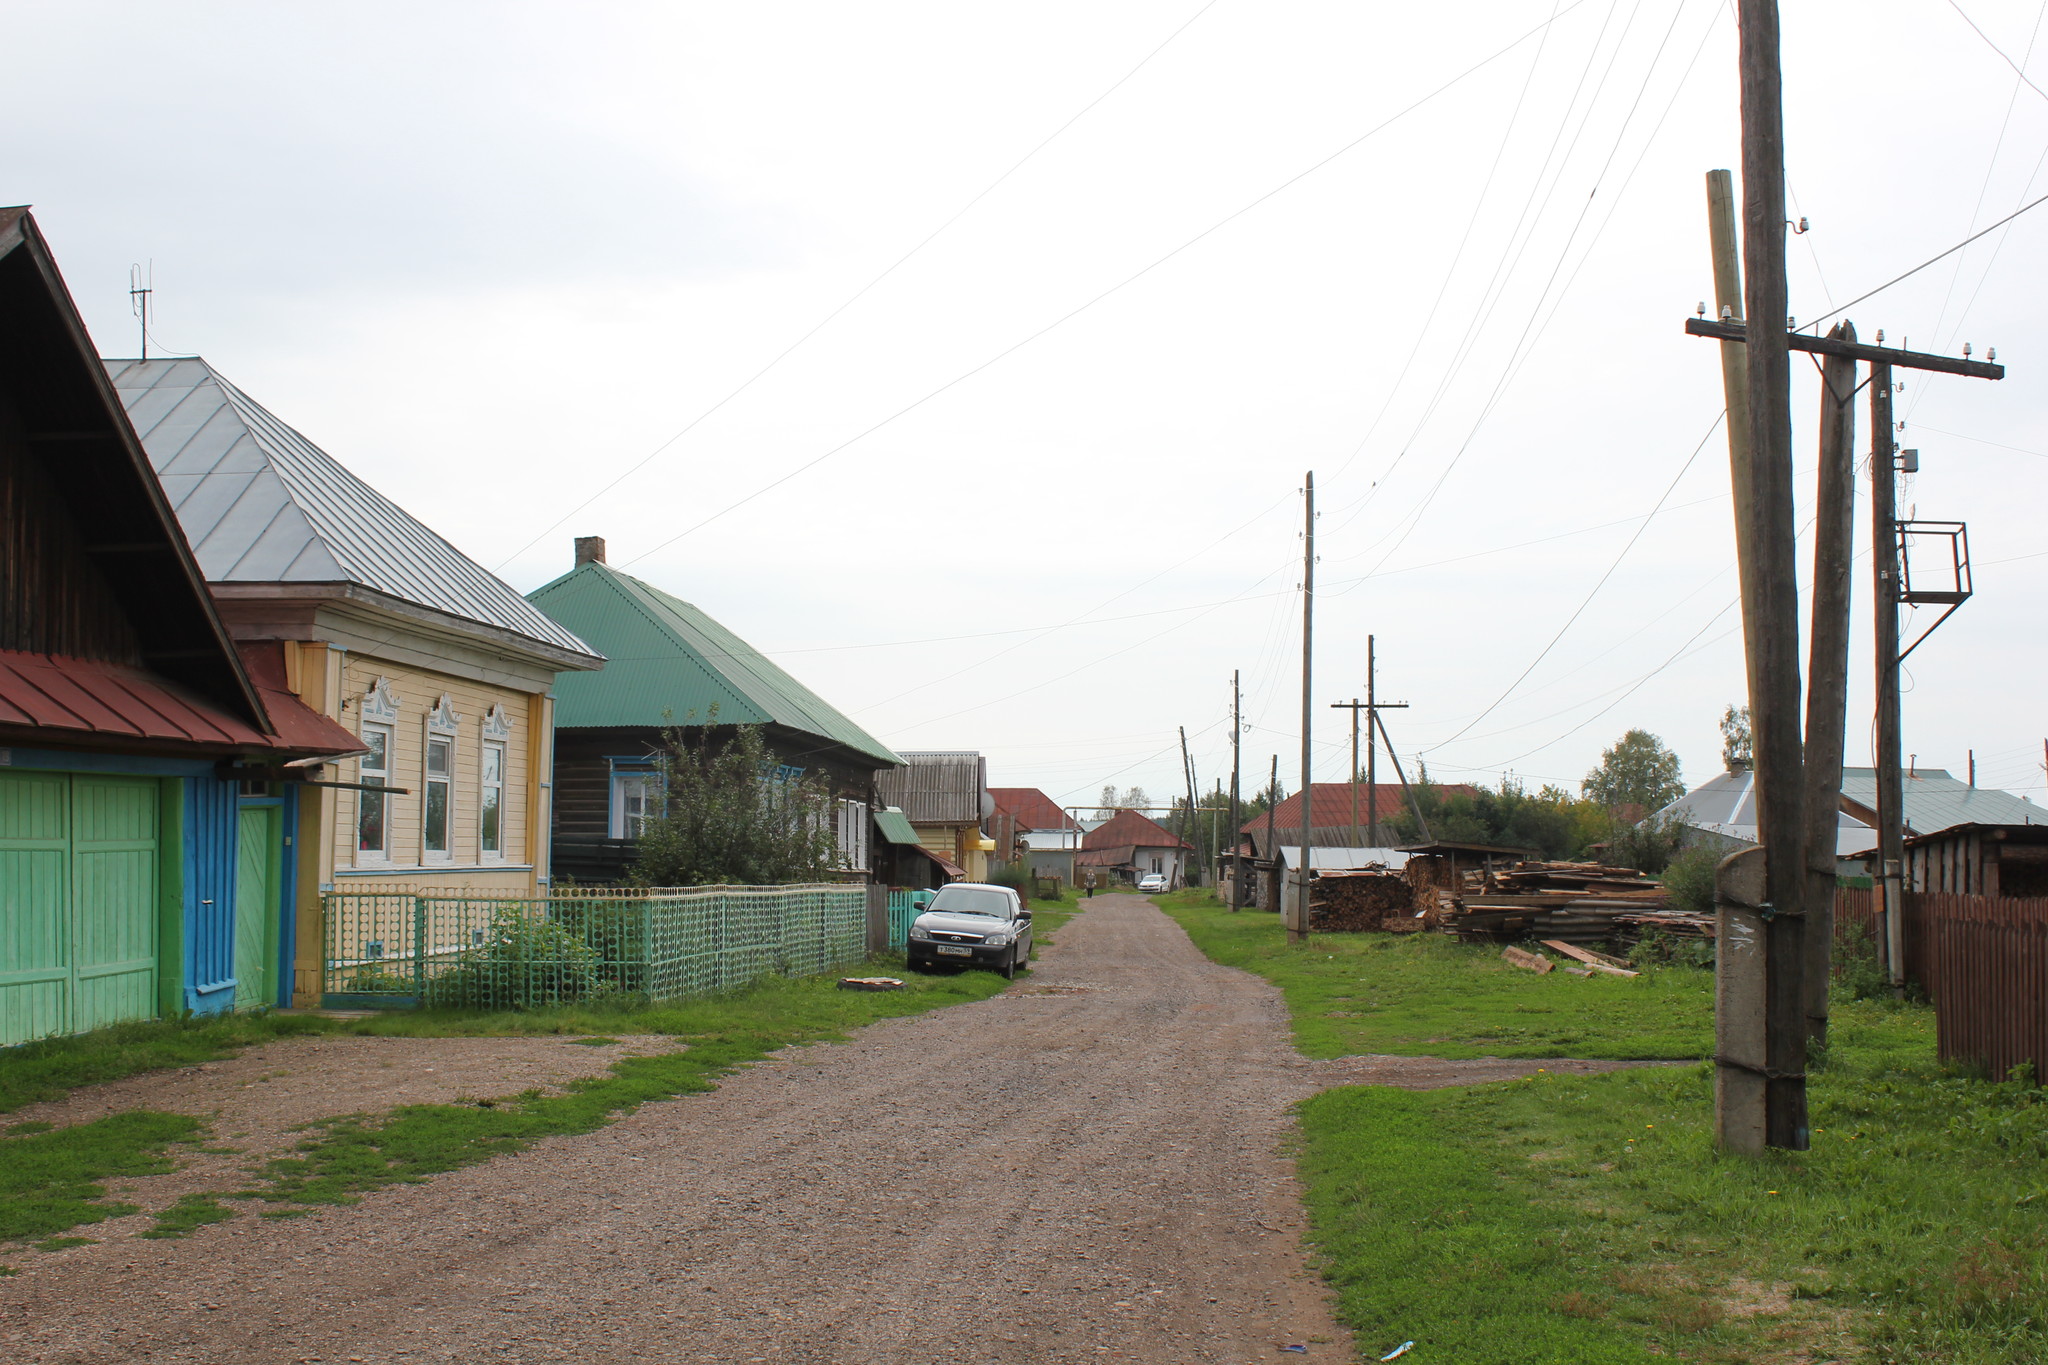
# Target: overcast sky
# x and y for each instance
(1036, 491)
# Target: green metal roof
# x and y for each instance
(895, 826)
(667, 663)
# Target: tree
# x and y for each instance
(1736, 753)
(1550, 821)
(1133, 798)
(729, 816)
(1638, 771)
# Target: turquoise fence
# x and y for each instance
(497, 952)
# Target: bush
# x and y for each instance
(1689, 880)
(524, 962)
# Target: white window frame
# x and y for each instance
(855, 824)
(490, 798)
(443, 727)
(623, 780)
(380, 777)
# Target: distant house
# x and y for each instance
(1330, 816)
(1028, 824)
(672, 667)
(149, 769)
(443, 672)
(1130, 845)
(1721, 812)
(944, 795)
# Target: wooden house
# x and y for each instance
(441, 670)
(944, 794)
(1129, 845)
(672, 667)
(145, 867)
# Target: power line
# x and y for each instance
(863, 291)
(1931, 260)
(1121, 285)
(2018, 70)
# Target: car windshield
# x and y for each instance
(971, 900)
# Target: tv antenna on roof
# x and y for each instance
(141, 284)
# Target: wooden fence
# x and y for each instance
(1983, 960)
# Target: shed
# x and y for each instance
(1978, 860)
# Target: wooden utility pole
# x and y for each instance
(1421, 820)
(1827, 688)
(1884, 564)
(1297, 923)
(1236, 814)
(1187, 770)
(1766, 548)
(1354, 706)
(1371, 706)
(1272, 826)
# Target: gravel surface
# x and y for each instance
(1087, 1167)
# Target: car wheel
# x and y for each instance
(1010, 966)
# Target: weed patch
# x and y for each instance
(192, 1211)
(51, 1181)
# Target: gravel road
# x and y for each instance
(1087, 1167)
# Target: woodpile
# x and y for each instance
(1578, 903)
(1362, 901)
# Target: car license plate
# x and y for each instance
(955, 950)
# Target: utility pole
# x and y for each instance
(1297, 924)
(1371, 707)
(1884, 564)
(1272, 823)
(1827, 694)
(1187, 770)
(1236, 815)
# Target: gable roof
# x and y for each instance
(668, 663)
(1031, 808)
(262, 504)
(1330, 805)
(75, 441)
(1129, 829)
(1937, 801)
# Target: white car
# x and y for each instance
(971, 924)
(1152, 881)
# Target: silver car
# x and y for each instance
(969, 924)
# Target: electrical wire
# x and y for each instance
(1931, 260)
(1116, 288)
(864, 290)
(2018, 70)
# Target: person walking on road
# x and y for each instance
(1089, 881)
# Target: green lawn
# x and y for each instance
(1428, 995)
(1589, 1219)
(50, 1180)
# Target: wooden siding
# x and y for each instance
(417, 691)
(53, 598)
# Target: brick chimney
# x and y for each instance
(589, 550)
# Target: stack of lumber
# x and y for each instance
(1578, 903)
(1364, 900)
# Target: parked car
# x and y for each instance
(971, 924)
(1152, 881)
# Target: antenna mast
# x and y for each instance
(140, 286)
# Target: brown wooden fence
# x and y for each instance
(1987, 969)
(1857, 918)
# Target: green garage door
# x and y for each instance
(78, 902)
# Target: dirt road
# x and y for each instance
(1084, 1168)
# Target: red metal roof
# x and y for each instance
(1129, 829)
(1031, 808)
(57, 699)
(1332, 804)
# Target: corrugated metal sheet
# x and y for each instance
(262, 504)
(1127, 828)
(1726, 805)
(1031, 808)
(895, 827)
(55, 693)
(938, 787)
(668, 663)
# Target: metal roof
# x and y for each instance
(1343, 859)
(895, 826)
(1934, 801)
(262, 504)
(1129, 829)
(1331, 808)
(939, 787)
(1031, 808)
(668, 663)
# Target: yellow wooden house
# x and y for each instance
(442, 670)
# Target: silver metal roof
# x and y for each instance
(1934, 801)
(262, 504)
(1343, 859)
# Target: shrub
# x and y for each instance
(524, 962)
(1689, 880)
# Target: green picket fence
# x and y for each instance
(494, 952)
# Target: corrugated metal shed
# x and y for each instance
(262, 504)
(939, 787)
(667, 663)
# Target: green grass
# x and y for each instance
(192, 1211)
(1590, 1219)
(64, 1243)
(53, 1180)
(1428, 995)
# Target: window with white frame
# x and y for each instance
(635, 800)
(1158, 864)
(437, 799)
(491, 800)
(373, 770)
(853, 835)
